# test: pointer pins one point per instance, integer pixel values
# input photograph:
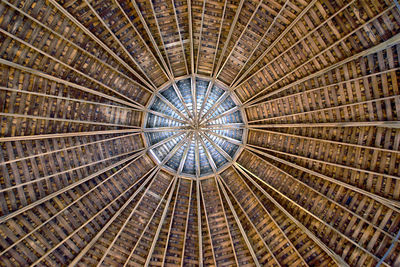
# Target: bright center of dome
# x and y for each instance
(194, 128)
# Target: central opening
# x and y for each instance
(194, 128)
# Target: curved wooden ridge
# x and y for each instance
(102, 161)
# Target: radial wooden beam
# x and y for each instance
(189, 3)
(331, 201)
(46, 178)
(159, 229)
(162, 115)
(327, 141)
(355, 244)
(273, 220)
(17, 39)
(230, 140)
(161, 129)
(170, 223)
(327, 86)
(228, 38)
(223, 114)
(240, 36)
(153, 42)
(24, 116)
(116, 214)
(201, 35)
(164, 215)
(73, 85)
(179, 94)
(185, 237)
(385, 124)
(148, 82)
(208, 225)
(225, 126)
(206, 96)
(21, 91)
(184, 156)
(209, 157)
(259, 148)
(194, 98)
(93, 37)
(199, 231)
(161, 38)
(386, 202)
(237, 77)
(217, 147)
(287, 117)
(61, 135)
(66, 207)
(197, 154)
(276, 41)
(140, 35)
(170, 190)
(65, 189)
(77, 47)
(327, 250)
(261, 236)
(213, 71)
(242, 231)
(220, 100)
(136, 205)
(66, 149)
(180, 38)
(390, 42)
(226, 220)
(149, 175)
(172, 106)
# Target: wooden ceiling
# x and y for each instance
(317, 179)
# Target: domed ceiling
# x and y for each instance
(199, 133)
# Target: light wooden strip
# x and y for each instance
(97, 40)
(72, 68)
(326, 162)
(226, 220)
(237, 77)
(66, 120)
(251, 222)
(66, 149)
(322, 245)
(67, 207)
(147, 82)
(388, 203)
(153, 179)
(327, 86)
(65, 189)
(388, 43)
(208, 226)
(112, 219)
(67, 83)
(153, 244)
(170, 189)
(62, 135)
(242, 231)
(199, 223)
(185, 238)
(385, 124)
